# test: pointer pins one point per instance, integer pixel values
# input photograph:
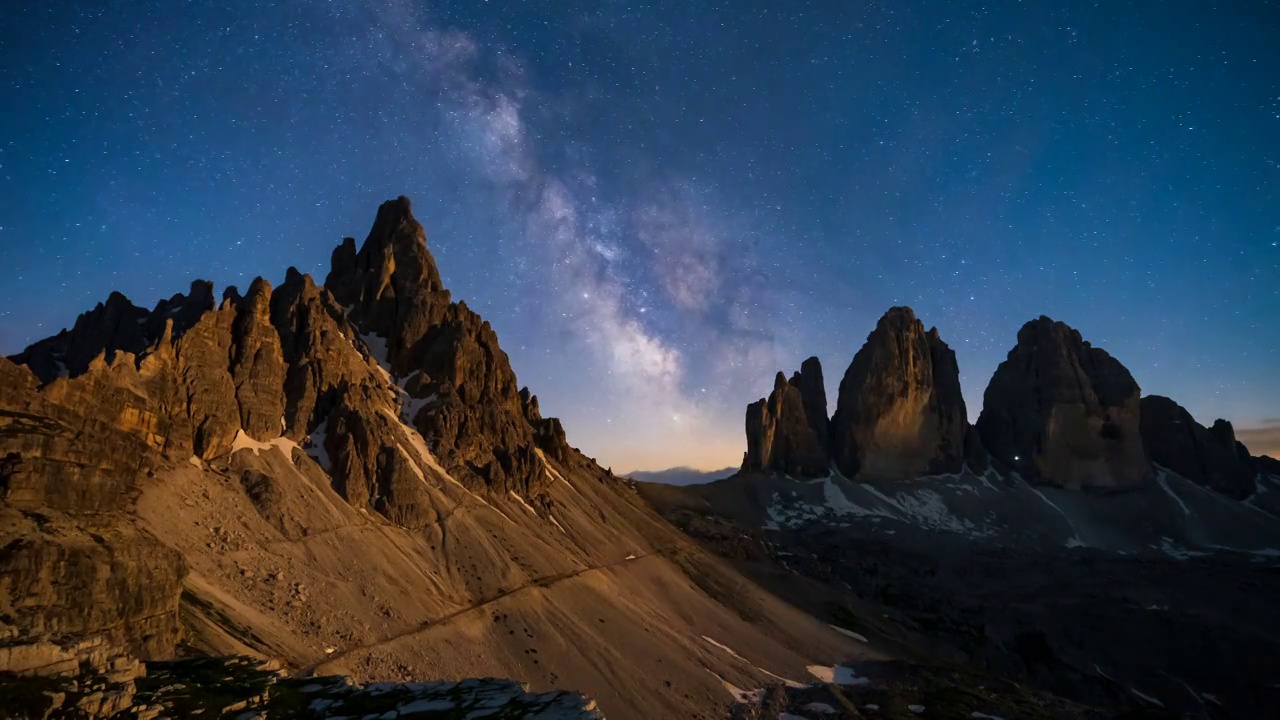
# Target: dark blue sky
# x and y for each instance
(660, 205)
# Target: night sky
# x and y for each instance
(659, 205)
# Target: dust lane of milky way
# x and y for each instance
(658, 206)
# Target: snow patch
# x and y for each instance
(420, 448)
(524, 504)
(836, 675)
(983, 716)
(740, 696)
(378, 351)
(850, 633)
(410, 406)
(820, 708)
(197, 462)
(244, 442)
(551, 472)
(1146, 698)
(313, 446)
(840, 504)
(412, 465)
(726, 648)
(917, 709)
(1164, 483)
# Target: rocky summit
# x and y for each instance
(1209, 456)
(900, 411)
(1062, 412)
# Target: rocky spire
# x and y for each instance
(786, 434)
(475, 422)
(900, 412)
(391, 286)
(1211, 457)
(1062, 412)
(257, 364)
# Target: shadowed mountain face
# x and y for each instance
(900, 412)
(1062, 412)
(348, 478)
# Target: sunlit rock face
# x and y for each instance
(900, 412)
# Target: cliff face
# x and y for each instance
(787, 434)
(80, 583)
(900, 412)
(1062, 412)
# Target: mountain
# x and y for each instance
(900, 412)
(346, 478)
(680, 475)
(1062, 412)
(1059, 542)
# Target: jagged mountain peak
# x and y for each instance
(277, 362)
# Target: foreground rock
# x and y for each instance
(81, 583)
(242, 687)
(900, 412)
(1062, 412)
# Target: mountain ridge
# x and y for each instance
(359, 489)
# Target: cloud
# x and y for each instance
(1261, 440)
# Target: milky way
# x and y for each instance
(658, 206)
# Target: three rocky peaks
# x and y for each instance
(1057, 411)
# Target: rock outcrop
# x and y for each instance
(476, 422)
(787, 434)
(900, 412)
(81, 584)
(1211, 456)
(1062, 412)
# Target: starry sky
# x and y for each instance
(658, 205)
